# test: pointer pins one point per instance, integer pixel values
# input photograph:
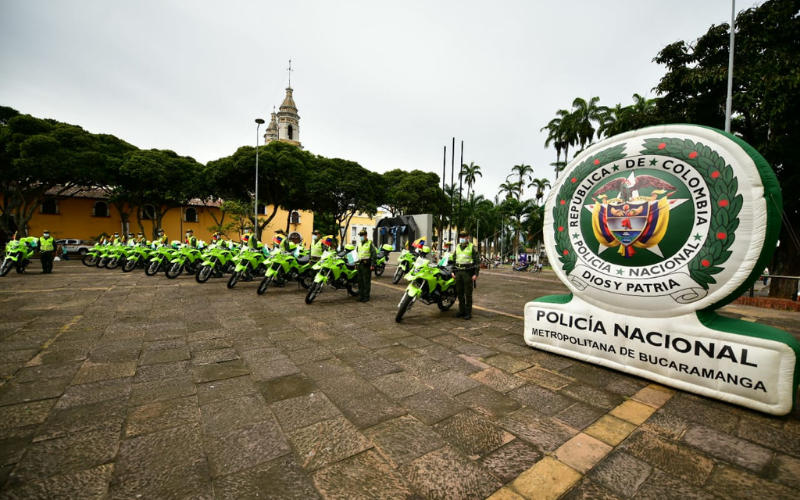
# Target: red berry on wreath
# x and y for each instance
(563, 202)
(662, 145)
(723, 203)
(560, 228)
(566, 252)
(597, 162)
(714, 174)
(574, 180)
(693, 155)
(705, 263)
(721, 236)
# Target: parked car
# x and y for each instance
(76, 246)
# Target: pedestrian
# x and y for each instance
(766, 276)
(466, 273)
(366, 264)
(47, 247)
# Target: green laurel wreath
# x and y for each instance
(566, 253)
(724, 200)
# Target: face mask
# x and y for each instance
(362, 238)
(314, 238)
(46, 235)
(462, 240)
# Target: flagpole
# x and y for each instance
(729, 100)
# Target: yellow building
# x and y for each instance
(87, 215)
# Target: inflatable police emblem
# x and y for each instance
(651, 231)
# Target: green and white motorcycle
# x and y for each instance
(430, 283)
(334, 270)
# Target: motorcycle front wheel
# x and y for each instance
(447, 299)
(130, 264)
(152, 268)
(89, 260)
(379, 269)
(398, 275)
(203, 274)
(313, 291)
(352, 289)
(5, 268)
(112, 263)
(306, 280)
(234, 279)
(174, 270)
(405, 305)
(262, 287)
(102, 261)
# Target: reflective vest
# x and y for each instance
(316, 249)
(163, 239)
(365, 250)
(46, 244)
(464, 256)
(192, 242)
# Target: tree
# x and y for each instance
(540, 185)
(469, 174)
(562, 135)
(518, 213)
(642, 113)
(165, 181)
(282, 173)
(524, 172)
(583, 117)
(511, 189)
(42, 160)
(414, 192)
(342, 188)
(766, 103)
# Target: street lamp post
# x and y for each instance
(259, 122)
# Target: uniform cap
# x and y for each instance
(363, 232)
(463, 233)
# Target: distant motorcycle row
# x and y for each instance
(430, 282)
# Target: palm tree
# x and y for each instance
(510, 189)
(540, 185)
(562, 134)
(583, 114)
(470, 173)
(518, 213)
(524, 172)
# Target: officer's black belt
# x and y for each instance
(465, 268)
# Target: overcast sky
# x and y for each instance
(385, 84)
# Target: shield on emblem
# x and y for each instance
(627, 220)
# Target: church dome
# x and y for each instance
(288, 102)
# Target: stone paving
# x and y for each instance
(121, 386)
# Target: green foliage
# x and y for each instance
(414, 192)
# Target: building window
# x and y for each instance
(295, 237)
(291, 133)
(148, 212)
(294, 218)
(354, 230)
(49, 207)
(190, 215)
(100, 209)
(262, 209)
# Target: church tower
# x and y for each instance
(288, 120)
(285, 124)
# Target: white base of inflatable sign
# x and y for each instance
(702, 353)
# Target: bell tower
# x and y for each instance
(288, 119)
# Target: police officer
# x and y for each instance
(190, 239)
(162, 238)
(465, 272)
(366, 264)
(316, 245)
(47, 246)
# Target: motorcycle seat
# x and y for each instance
(351, 266)
(303, 259)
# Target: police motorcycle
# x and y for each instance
(119, 253)
(337, 270)
(295, 266)
(187, 259)
(162, 256)
(18, 254)
(430, 283)
(250, 264)
(137, 256)
(217, 260)
(94, 254)
(406, 260)
(382, 257)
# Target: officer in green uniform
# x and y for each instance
(190, 239)
(465, 272)
(316, 245)
(162, 238)
(366, 264)
(47, 245)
